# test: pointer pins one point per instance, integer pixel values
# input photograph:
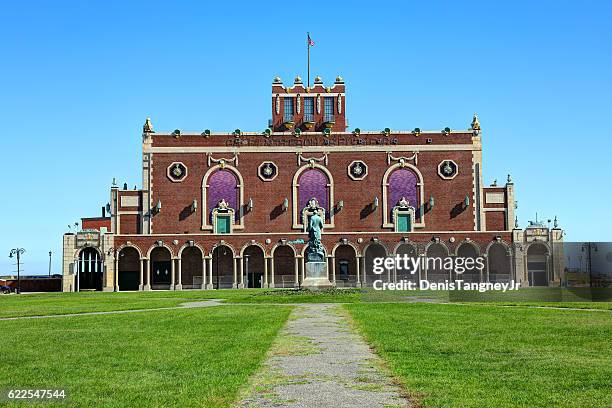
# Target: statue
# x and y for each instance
(315, 268)
(314, 252)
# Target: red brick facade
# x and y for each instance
(171, 211)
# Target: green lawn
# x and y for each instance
(466, 354)
(69, 303)
(182, 358)
(483, 356)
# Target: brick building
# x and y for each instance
(223, 210)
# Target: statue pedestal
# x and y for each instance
(316, 276)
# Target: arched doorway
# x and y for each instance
(436, 255)
(253, 267)
(372, 252)
(161, 268)
(346, 266)
(223, 267)
(410, 274)
(498, 261)
(129, 269)
(284, 267)
(192, 268)
(90, 270)
(469, 252)
(537, 264)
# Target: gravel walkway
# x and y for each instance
(318, 360)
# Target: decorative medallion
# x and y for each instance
(267, 171)
(177, 172)
(357, 170)
(448, 169)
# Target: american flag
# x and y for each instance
(310, 42)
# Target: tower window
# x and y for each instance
(329, 109)
(288, 113)
(308, 109)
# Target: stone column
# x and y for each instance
(141, 281)
(116, 275)
(271, 278)
(358, 263)
(203, 274)
(172, 273)
(363, 270)
(297, 272)
(179, 286)
(75, 277)
(147, 285)
(235, 282)
(303, 268)
(265, 282)
(395, 272)
(242, 270)
(210, 273)
(333, 269)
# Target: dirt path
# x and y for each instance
(318, 360)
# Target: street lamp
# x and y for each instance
(49, 263)
(18, 252)
(588, 247)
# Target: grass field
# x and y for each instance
(483, 356)
(68, 303)
(181, 358)
(474, 352)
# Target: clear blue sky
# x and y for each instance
(78, 80)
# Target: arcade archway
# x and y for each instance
(223, 267)
(284, 267)
(372, 252)
(499, 263)
(90, 271)
(537, 264)
(346, 266)
(161, 268)
(192, 268)
(129, 269)
(408, 274)
(436, 255)
(253, 267)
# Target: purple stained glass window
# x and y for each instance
(403, 183)
(313, 183)
(222, 184)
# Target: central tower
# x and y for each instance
(308, 109)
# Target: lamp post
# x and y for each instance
(588, 247)
(49, 263)
(18, 252)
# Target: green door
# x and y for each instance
(403, 222)
(223, 225)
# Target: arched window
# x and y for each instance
(402, 197)
(402, 184)
(312, 182)
(222, 199)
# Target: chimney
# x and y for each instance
(103, 212)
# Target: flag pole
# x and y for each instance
(308, 46)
